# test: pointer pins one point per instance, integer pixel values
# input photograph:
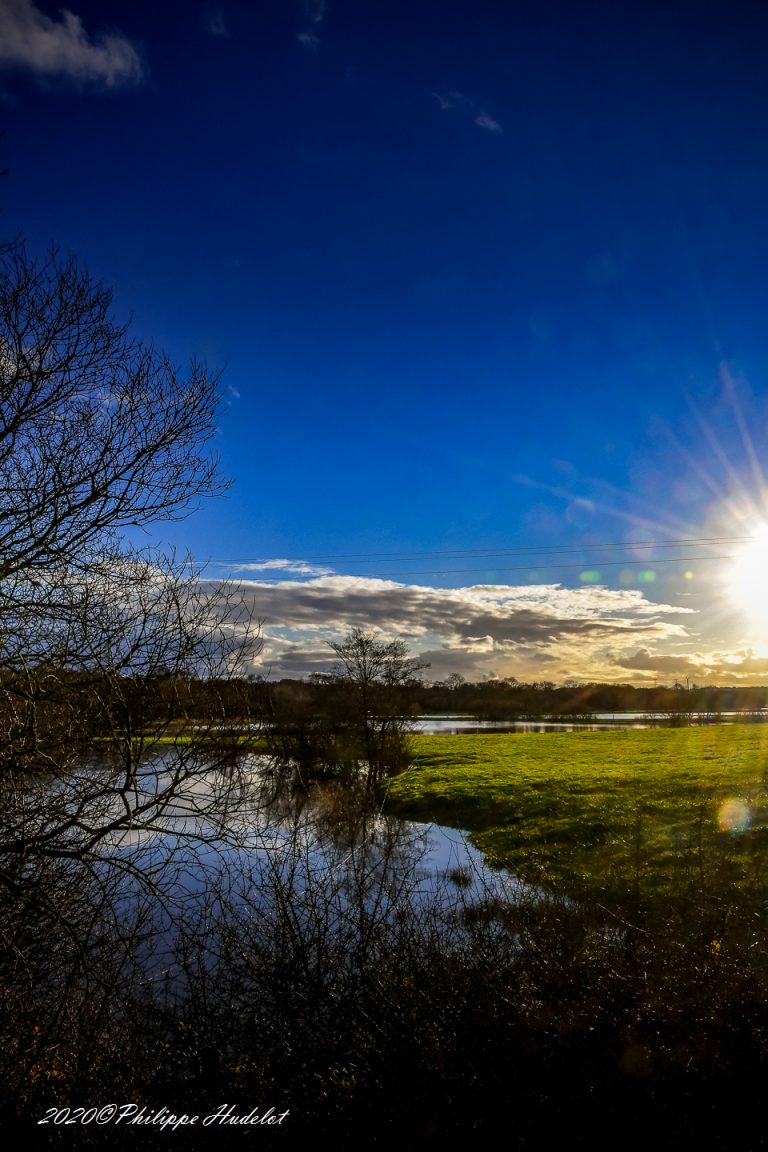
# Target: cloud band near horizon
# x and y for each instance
(532, 632)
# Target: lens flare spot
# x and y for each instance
(591, 576)
(688, 575)
(734, 816)
(647, 576)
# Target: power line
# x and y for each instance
(487, 553)
(529, 568)
(558, 567)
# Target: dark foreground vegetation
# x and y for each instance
(181, 929)
(376, 1018)
(315, 975)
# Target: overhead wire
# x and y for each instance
(539, 558)
(398, 557)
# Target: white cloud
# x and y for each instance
(488, 122)
(32, 41)
(710, 667)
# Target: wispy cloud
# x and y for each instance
(215, 24)
(314, 13)
(31, 41)
(450, 100)
(455, 101)
(489, 124)
(315, 10)
(298, 567)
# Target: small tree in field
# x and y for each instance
(372, 675)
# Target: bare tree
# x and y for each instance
(373, 674)
(97, 430)
(104, 650)
(122, 675)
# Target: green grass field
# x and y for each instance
(647, 808)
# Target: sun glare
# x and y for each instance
(748, 579)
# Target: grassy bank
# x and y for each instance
(642, 808)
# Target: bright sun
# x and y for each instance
(748, 579)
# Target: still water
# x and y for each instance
(456, 725)
(264, 854)
(598, 721)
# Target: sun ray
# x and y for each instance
(748, 580)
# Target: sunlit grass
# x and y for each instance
(642, 809)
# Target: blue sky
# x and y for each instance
(489, 284)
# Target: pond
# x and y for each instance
(272, 855)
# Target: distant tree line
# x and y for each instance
(352, 723)
(330, 696)
(510, 699)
